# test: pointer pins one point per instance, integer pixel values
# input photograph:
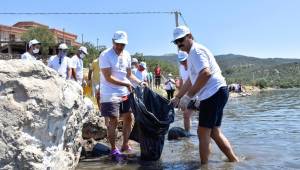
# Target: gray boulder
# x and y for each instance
(41, 117)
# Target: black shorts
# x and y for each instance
(157, 80)
(211, 109)
(109, 109)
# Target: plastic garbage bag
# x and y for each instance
(153, 116)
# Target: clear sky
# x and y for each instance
(259, 28)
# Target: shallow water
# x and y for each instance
(264, 130)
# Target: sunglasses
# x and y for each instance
(183, 62)
(179, 40)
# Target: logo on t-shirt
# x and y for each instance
(122, 64)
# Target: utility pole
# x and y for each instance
(64, 35)
(82, 39)
(177, 13)
(97, 44)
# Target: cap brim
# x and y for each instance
(181, 36)
(35, 44)
(121, 41)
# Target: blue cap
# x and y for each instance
(182, 56)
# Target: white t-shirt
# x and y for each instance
(133, 70)
(62, 68)
(27, 56)
(77, 63)
(198, 59)
(170, 84)
(141, 75)
(119, 66)
(184, 74)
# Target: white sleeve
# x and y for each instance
(129, 61)
(72, 62)
(104, 62)
(23, 56)
(50, 62)
(200, 61)
(145, 76)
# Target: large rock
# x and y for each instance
(40, 117)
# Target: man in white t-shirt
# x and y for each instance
(115, 86)
(60, 62)
(34, 49)
(184, 75)
(134, 65)
(76, 64)
(141, 72)
(207, 84)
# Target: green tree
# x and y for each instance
(139, 56)
(93, 53)
(43, 35)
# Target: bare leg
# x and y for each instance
(98, 99)
(204, 140)
(223, 144)
(112, 123)
(187, 119)
(127, 127)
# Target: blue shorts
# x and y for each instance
(211, 109)
(109, 109)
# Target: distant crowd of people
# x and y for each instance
(114, 74)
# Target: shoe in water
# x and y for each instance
(116, 152)
(129, 152)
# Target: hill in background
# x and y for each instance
(269, 72)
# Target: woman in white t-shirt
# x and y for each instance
(170, 86)
(141, 72)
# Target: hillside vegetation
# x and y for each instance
(270, 72)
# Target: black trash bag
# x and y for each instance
(153, 116)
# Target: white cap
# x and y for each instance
(182, 55)
(83, 49)
(180, 32)
(134, 60)
(63, 46)
(120, 37)
(143, 64)
(170, 75)
(33, 42)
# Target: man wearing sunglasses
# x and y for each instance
(207, 84)
(60, 62)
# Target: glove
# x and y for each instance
(143, 83)
(174, 101)
(184, 101)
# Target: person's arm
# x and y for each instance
(113, 80)
(172, 81)
(90, 74)
(201, 80)
(91, 70)
(73, 73)
(180, 82)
